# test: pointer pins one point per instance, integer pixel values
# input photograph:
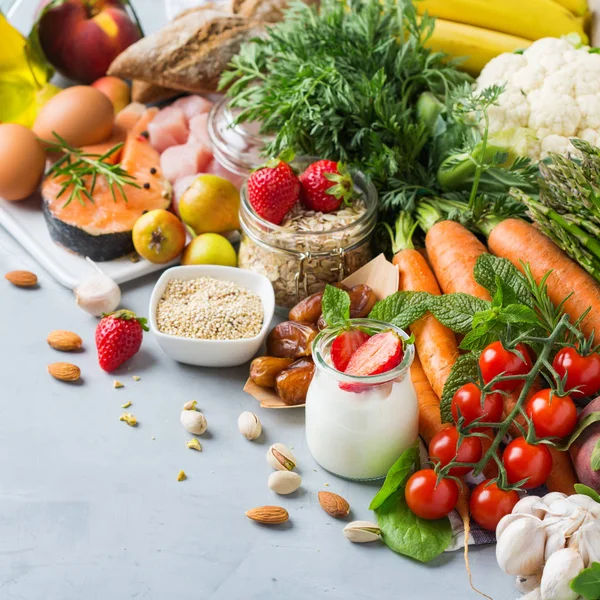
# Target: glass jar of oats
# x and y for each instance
(309, 249)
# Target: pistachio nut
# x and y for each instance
(280, 458)
(249, 425)
(190, 405)
(284, 482)
(361, 532)
(193, 421)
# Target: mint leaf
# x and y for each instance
(595, 458)
(401, 308)
(518, 313)
(588, 420)
(396, 476)
(456, 311)
(405, 533)
(336, 306)
(465, 369)
(479, 338)
(587, 583)
(488, 267)
(587, 491)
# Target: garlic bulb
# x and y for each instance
(531, 505)
(586, 503)
(520, 547)
(559, 570)
(586, 540)
(98, 294)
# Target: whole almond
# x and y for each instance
(334, 505)
(64, 371)
(65, 341)
(22, 278)
(269, 515)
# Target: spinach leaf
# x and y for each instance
(587, 583)
(587, 491)
(488, 267)
(456, 311)
(465, 369)
(336, 306)
(396, 476)
(590, 419)
(405, 533)
(401, 309)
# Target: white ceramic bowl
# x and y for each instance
(213, 353)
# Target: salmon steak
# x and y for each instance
(102, 229)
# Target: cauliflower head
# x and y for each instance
(552, 90)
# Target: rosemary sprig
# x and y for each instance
(82, 169)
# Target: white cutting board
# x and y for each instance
(25, 221)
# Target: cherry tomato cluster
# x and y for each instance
(526, 465)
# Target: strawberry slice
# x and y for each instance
(345, 345)
(379, 354)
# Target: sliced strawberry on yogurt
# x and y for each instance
(345, 345)
(379, 354)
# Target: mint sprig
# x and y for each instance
(335, 306)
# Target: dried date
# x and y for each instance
(309, 310)
(265, 369)
(291, 340)
(292, 383)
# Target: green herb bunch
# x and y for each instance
(342, 82)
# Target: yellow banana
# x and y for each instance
(577, 7)
(478, 45)
(529, 19)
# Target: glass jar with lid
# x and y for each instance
(309, 249)
(357, 427)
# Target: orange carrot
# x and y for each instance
(519, 241)
(436, 345)
(430, 420)
(453, 251)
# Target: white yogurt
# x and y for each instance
(360, 435)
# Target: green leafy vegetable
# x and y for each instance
(401, 308)
(490, 270)
(456, 311)
(407, 534)
(396, 476)
(335, 306)
(587, 583)
(587, 491)
(465, 369)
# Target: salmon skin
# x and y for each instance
(102, 230)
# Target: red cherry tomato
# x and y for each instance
(442, 448)
(497, 360)
(488, 504)
(467, 399)
(522, 460)
(427, 500)
(552, 415)
(581, 371)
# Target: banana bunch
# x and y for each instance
(482, 29)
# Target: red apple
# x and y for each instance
(116, 89)
(81, 38)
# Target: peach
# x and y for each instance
(81, 39)
(116, 89)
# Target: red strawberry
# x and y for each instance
(325, 184)
(273, 190)
(379, 354)
(118, 338)
(345, 345)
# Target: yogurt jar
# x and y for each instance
(359, 435)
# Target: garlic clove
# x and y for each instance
(586, 503)
(558, 572)
(552, 496)
(528, 583)
(531, 505)
(520, 547)
(587, 541)
(98, 294)
(534, 594)
(508, 519)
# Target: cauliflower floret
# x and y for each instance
(557, 112)
(559, 144)
(500, 70)
(561, 82)
(512, 111)
(529, 78)
(588, 74)
(548, 50)
(589, 135)
(589, 106)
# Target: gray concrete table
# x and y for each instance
(91, 509)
